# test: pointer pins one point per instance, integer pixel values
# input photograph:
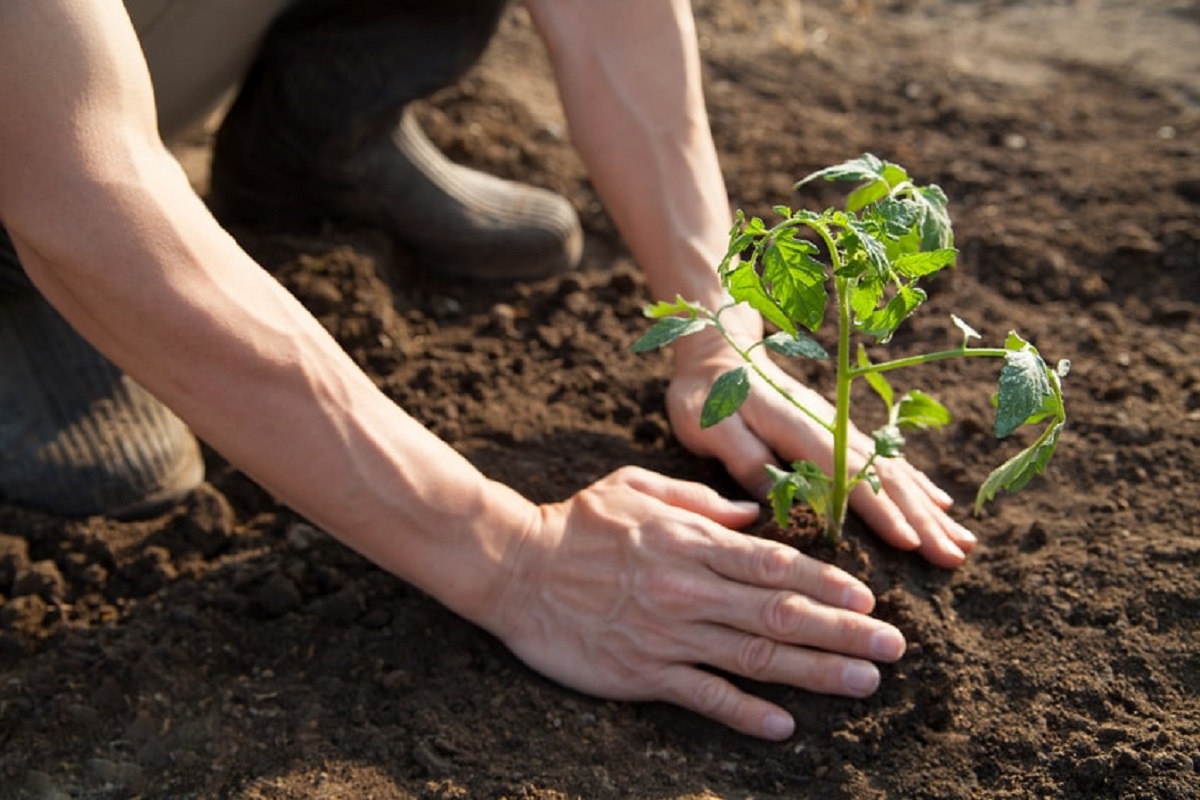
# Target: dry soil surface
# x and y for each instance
(229, 649)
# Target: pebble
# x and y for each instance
(276, 596)
(41, 578)
(14, 558)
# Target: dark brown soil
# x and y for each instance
(228, 649)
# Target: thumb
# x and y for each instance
(743, 453)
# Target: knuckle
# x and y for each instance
(755, 656)
(627, 473)
(785, 615)
(828, 578)
(773, 565)
(710, 695)
(669, 590)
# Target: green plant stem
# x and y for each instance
(942, 355)
(841, 425)
(745, 354)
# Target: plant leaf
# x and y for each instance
(969, 333)
(665, 331)
(860, 244)
(726, 396)
(798, 346)
(1024, 389)
(918, 265)
(744, 285)
(889, 441)
(865, 296)
(936, 230)
(804, 482)
(664, 309)
(797, 280)
(877, 381)
(1013, 474)
(883, 323)
(919, 410)
(895, 216)
(866, 194)
(864, 168)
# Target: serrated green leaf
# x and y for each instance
(797, 280)
(919, 410)
(936, 231)
(798, 346)
(889, 441)
(883, 323)
(737, 244)
(860, 243)
(781, 495)
(1014, 342)
(805, 482)
(745, 286)
(783, 211)
(726, 396)
(918, 265)
(1015, 473)
(895, 217)
(865, 296)
(1024, 389)
(894, 174)
(876, 381)
(666, 331)
(866, 194)
(864, 168)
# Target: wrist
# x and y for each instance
(741, 325)
(473, 572)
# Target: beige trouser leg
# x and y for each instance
(198, 50)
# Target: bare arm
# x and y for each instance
(109, 229)
(629, 75)
(620, 590)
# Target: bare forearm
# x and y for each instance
(629, 76)
(178, 304)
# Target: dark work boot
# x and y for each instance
(77, 436)
(320, 130)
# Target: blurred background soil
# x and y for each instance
(229, 649)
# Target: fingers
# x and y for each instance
(749, 560)
(741, 450)
(716, 698)
(757, 562)
(765, 660)
(760, 634)
(690, 496)
(908, 516)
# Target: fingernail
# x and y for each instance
(910, 537)
(857, 597)
(778, 726)
(887, 645)
(860, 678)
(966, 535)
(746, 506)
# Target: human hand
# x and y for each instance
(909, 511)
(632, 587)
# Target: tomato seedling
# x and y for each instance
(868, 259)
